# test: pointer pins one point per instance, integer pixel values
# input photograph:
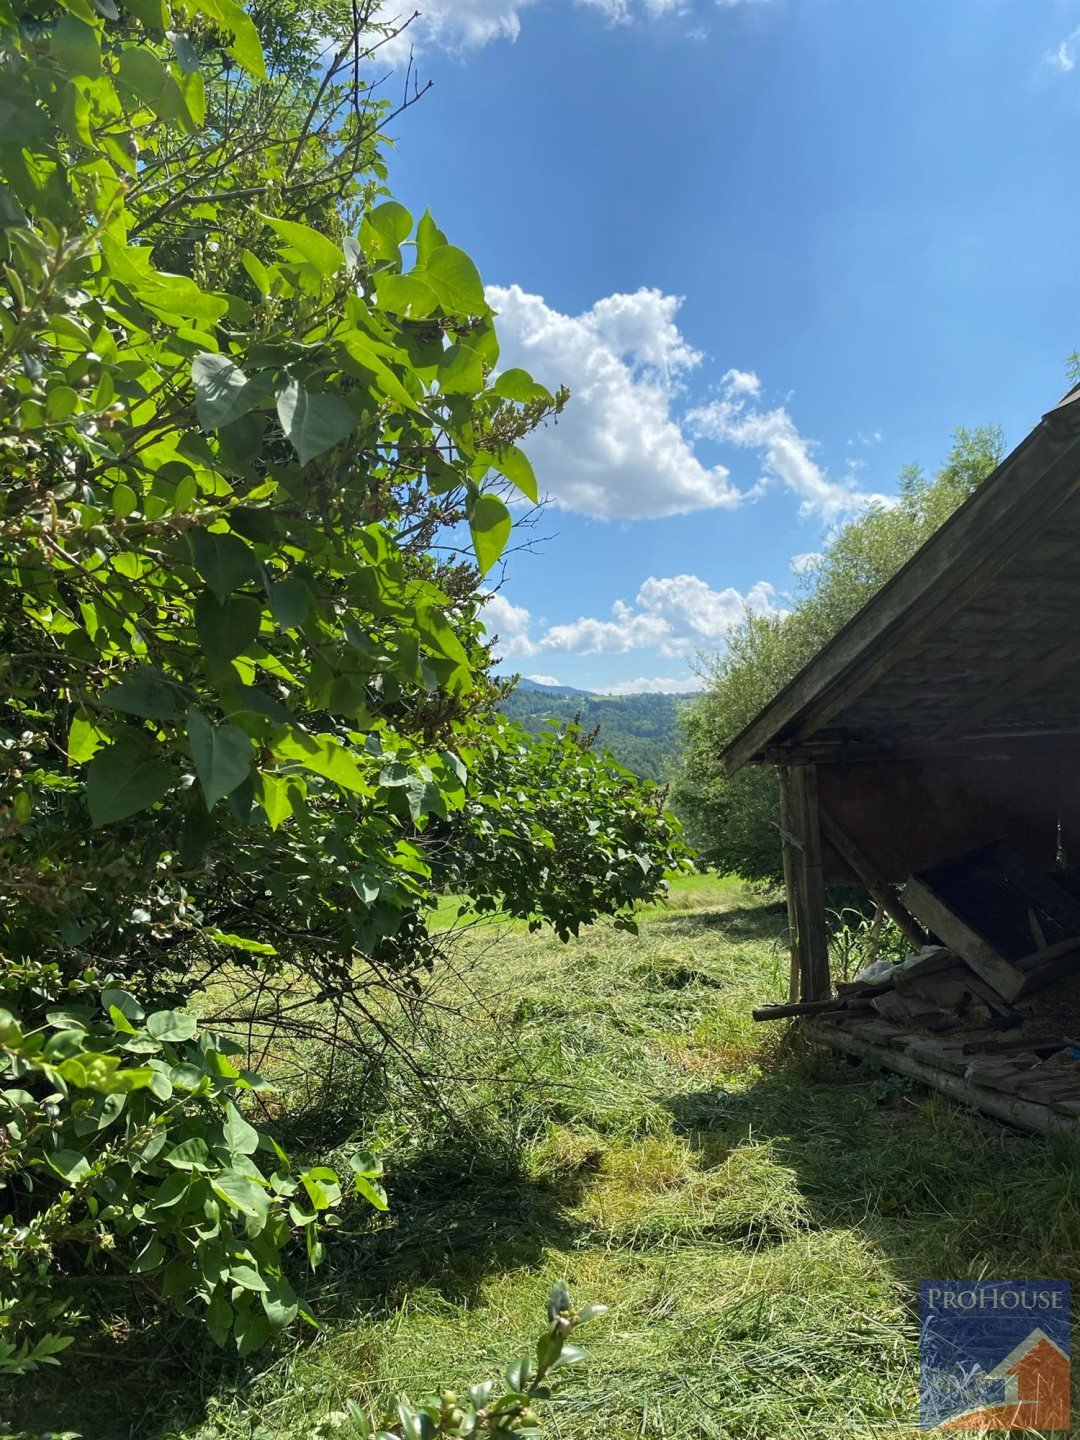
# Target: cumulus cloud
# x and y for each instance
(659, 685)
(620, 449)
(543, 679)
(736, 418)
(510, 624)
(673, 615)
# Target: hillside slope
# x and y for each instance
(641, 731)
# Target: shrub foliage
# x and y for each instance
(250, 414)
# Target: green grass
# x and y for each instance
(757, 1218)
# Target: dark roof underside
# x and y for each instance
(978, 636)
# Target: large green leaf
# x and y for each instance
(244, 45)
(313, 422)
(455, 280)
(223, 756)
(224, 561)
(172, 1025)
(242, 1192)
(308, 244)
(223, 392)
(146, 693)
(290, 601)
(428, 238)
(226, 630)
(461, 370)
(126, 778)
(240, 1137)
(489, 521)
(520, 386)
(323, 755)
(514, 464)
(71, 1165)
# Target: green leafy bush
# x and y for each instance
(125, 1146)
(246, 713)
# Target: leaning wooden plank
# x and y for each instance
(1060, 1119)
(878, 888)
(1038, 958)
(1006, 979)
(1065, 963)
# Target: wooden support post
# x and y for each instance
(788, 849)
(878, 889)
(815, 982)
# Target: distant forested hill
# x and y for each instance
(641, 731)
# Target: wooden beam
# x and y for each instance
(788, 848)
(986, 531)
(879, 889)
(1003, 746)
(1027, 1114)
(800, 1007)
(1006, 689)
(1004, 977)
(815, 982)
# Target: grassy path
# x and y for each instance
(757, 1220)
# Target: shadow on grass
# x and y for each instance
(938, 1190)
(740, 924)
(458, 1214)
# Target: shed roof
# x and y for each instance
(977, 637)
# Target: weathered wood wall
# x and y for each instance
(905, 815)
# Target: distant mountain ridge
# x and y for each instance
(641, 731)
(524, 683)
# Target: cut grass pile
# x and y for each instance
(757, 1218)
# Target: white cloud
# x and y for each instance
(510, 623)
(543, 679)
(693, 608)
(800, 564)
(1063, 59)
(645, 685)
(675, 615)
(588, 636)
(620, 449)
(460, 25)
(733, 417)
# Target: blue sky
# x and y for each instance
(777, 249)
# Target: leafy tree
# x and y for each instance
(247, 718)
(729, 817)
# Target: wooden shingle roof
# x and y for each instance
(976, 638)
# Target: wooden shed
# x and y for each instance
(931, 753)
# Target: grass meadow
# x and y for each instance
(757, 1217)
